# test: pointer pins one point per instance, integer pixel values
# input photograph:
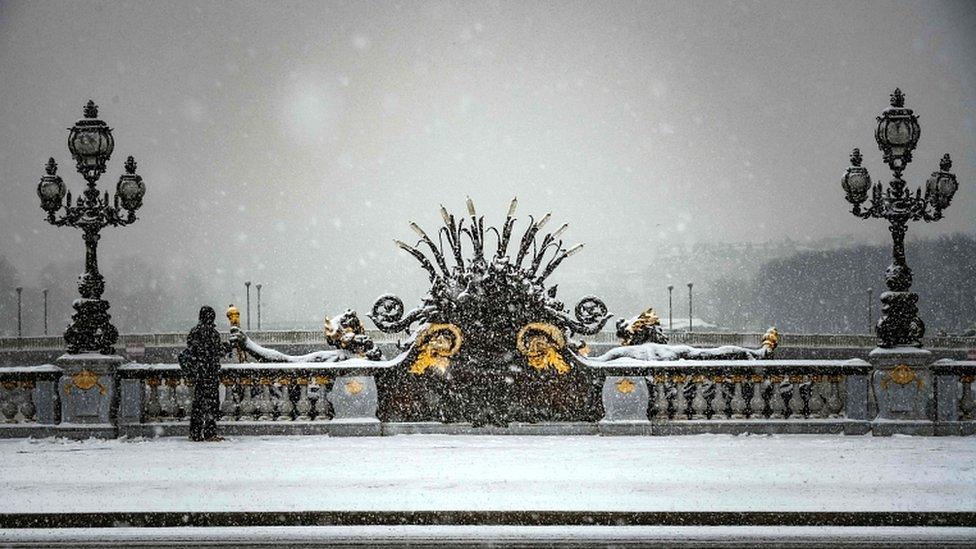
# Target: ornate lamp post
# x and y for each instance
(91, 144)
(897, 134)
(690, 317)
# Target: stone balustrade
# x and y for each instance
(736, 396)
(302, 398)
(29, 401)
(955, 402)
(651, 398)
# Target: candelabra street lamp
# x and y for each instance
(20, 329)
(258, 286)
(670, 309)
(897, 134)
(91, 144)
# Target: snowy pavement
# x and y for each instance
(500, 473)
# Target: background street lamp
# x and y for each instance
(247, 291)
(897, 134)
(670, 309)
(44, 291)
(20, 330)
(91, 144)
(258, 286)
(870, 311)
(690, 325)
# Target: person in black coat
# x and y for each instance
(200, 362)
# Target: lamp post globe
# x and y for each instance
(91, 143)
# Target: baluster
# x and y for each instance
(776, 404)
(9, 405)
(681, 400)
(152, 407)
(27, 408)
(815, 402)
(834, 402)
(283, 403)
(699, 405)
(304, 405)
(738, 404)
(184, 400)
(757, 404)
(228, 406)
(322, 405)
(248, 407)
(265, 405)
(660, 398)
(966, 399)
(718, 400)
(795, 403)
(167, 398)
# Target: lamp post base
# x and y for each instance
(899, 325)
(90, 330)
(87, 390)
(902, 386)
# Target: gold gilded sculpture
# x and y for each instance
(233, 315)
(437, 343)
(771, 340)
(542, 344)
(636, 331)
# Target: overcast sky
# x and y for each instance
(291, 142)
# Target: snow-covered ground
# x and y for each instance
(443, 472)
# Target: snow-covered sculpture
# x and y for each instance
(345, 333)
(662, 351)
(490, 343)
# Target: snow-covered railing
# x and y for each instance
(28, 396)
(736, 395)
(954, 390)
(280, 398)
(639, 397)
(700, 339)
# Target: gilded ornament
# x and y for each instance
(9, 385)
(625, 386)
(542, 344)
(902, 375)
(234, 315)
(354, 387)
(771, 339)
(436, 344)
(85, 380)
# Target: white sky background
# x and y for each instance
(290, 142)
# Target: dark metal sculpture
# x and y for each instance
(491, 342)
(91, 144)
(897, 134)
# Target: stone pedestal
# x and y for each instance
(625, 400)
(88, 394)
(354, 401)
(903, 389)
